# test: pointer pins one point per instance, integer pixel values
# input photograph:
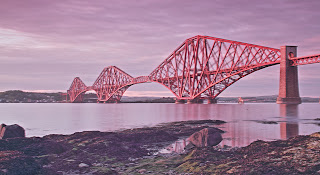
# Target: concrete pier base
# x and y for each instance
(178, 101)
(195, 101)
(289, 100)
(288, 86)
(212, 101)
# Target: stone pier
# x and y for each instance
(195, 101)
(212, 101)
(288, 86)
(179, 101)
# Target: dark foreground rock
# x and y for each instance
(206, 137)
(91, 152)
(11, 131)
(298, 155)
(133, 152)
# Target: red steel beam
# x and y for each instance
(305, 60)
(202, 62)
(201, 67)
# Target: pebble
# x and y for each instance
(81, 165)
(142, 171)
(131, 164)
(47, 166)
(171, 172)
(132, 159)
(97, 164)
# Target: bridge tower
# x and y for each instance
(288, 86)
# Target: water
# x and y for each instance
(242, 125)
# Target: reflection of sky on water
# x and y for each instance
(241, 127)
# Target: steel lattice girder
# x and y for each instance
(76, 89)
(111, 84)
(204, 66)
(305, 60)
(201, 67)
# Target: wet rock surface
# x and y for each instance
(206, 137)
(11, 131)
(133, 152)
(298, 155)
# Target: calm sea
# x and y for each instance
(243, 120)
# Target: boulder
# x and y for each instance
(11, 131)
(206, 137)
(2, 130)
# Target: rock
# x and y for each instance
(82, 165)
(15, 162)
(11, 131)
(97, 164)
(2, 130)
(206, 137)
(142, 171)
(317, 134)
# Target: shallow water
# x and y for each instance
(243, 120)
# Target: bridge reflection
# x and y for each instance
(238, 135)
(289, 115)
(242, 132)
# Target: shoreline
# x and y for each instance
(18, 96)
(132, 151)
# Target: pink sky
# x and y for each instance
(46, 43)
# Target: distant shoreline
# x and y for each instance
(17, 96)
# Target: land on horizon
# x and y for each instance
(18, 96)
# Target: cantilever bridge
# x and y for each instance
(201, 68)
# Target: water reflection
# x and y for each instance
(241, 133)
(289, 115)
(241, 128)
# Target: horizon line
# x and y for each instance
(135, 93)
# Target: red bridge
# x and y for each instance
(201, 68)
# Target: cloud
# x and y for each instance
(60, 39)
(20, 40)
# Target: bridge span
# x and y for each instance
(201, 68)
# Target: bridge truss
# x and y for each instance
(200, 68)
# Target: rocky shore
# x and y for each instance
(136, 151)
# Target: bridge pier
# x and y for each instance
(195, 101)
(109, 101)
(288, 86)
(179, 101)
(212, 101)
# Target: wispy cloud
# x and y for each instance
(13, 39)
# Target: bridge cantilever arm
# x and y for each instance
(305, 60)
